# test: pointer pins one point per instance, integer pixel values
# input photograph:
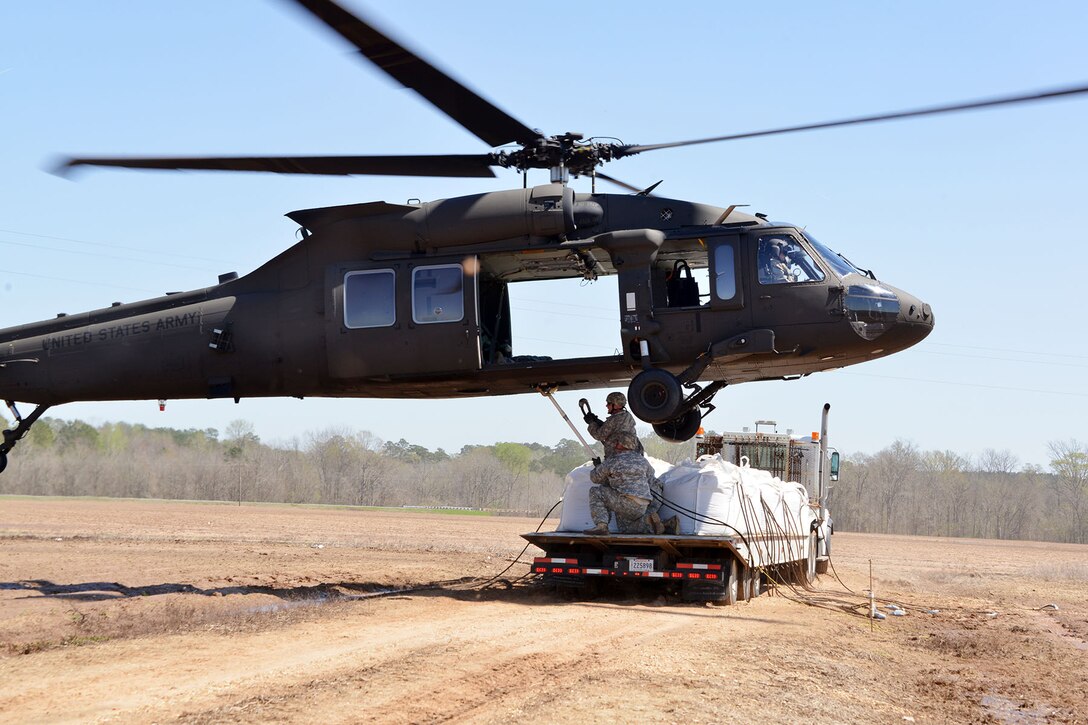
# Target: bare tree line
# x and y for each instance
(903, 490)
(333, 466)
(899, 489)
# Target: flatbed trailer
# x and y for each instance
(724, 569)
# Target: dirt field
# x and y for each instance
(136, 611)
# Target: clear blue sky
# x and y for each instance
(978, 214)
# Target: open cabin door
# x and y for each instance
(698, 293)
(399, 319)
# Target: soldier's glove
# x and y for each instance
(592, 418)
(596, 461)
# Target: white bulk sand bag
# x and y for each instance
(713, 497)
(706, 487)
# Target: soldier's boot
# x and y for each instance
(655, 523)
(598, 530)
(672, 525)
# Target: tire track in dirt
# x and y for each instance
(484, 659)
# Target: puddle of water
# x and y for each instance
(1007, 711)
(319, 600)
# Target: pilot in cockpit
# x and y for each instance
(774, 266)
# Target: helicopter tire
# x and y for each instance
(3, 461)
(680, 429)
(655, 395)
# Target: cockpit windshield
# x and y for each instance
(840, 264)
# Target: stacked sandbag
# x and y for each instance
(575, 515)
(713, 497)
(707, 487)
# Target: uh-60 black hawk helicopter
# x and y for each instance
(411, 300)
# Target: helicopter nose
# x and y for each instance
(916, 314)
(877, 309)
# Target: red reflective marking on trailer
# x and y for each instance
(574, 570)
(557, 570)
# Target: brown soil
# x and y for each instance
(137, 611)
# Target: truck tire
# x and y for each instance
(810, 563)
(732, 584)
(754, 584)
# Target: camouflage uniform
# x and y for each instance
(624, 490)
(619, 422)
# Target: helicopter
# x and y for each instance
(412, 300)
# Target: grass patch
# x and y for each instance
(1064, 571)
(41, 645)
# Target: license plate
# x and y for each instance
(640, 565)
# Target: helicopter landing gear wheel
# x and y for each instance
(680, 429)
(655, 395)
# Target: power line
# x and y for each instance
(970, 385)
(103, 256)
(113, 246)
(79, 281)
(1015, 352)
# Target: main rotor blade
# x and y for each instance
(1031, 97)
(479, 116)
(617, 182)
(474, 165)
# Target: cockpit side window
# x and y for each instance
(725, 273)
(782, 260)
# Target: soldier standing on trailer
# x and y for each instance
(623, 489)
(619, 421)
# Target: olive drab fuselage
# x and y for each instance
(410, 301)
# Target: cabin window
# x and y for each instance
(725, 272)
(438, 294)
(370, 299)
(783, 261)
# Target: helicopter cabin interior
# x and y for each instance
(459, 308)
